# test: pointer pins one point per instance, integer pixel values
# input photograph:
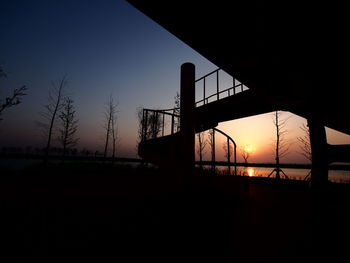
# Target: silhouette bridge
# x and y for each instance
(291, 57)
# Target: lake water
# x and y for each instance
(335, 176)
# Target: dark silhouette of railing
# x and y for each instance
(228, 151)
(236, 87)
(162, 122)
(155, 123)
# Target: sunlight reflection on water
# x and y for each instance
(336, 176)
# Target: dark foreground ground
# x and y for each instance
(135, 215)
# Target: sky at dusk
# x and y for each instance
(107, 47)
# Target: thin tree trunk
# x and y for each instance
(58, 101)
(65, 142)
(200, 145)
(107, 137)
(113, 139)
(277, 147)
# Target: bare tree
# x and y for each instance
(154, 124)
(245, 154)
(281, 144)
(305, 146)
(51, 109)
(141, 123)
(110, 120)
(114, 132)
(228, 151)
(211, 142)
(202, 143)
(14, 99)
(68, 126)
(177, 111)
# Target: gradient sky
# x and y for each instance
(106, 47)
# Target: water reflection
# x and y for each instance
(336, 176)
(250, 171)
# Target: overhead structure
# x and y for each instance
(291, 54)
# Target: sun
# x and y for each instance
(250, 172)
(248, 148)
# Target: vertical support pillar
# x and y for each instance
(318, 141)
(228, 157)
(187, 125)
(319, 179)
(213, 158)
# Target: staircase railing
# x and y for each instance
(157, 123)
(229, 139)
(236, 87)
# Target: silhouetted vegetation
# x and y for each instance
(140, 121)
(51, 109)
(305, 146)
(281, 145)
(150, 124)
(110, 123)
(202, 143)
(14, 99)
(228, 151)
(68, 126)
(177, 111)
(245, 154)
(211, 142)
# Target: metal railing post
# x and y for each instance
(155, 125)
(234, 86)
(172, 124)
(145, 125)
(228, 156)
(213, 152)
(203, 91)
(235, 157)
(163, 126)
(217, 84)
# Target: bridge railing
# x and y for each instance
(214, 91)
(158, 123)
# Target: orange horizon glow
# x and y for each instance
(248, 148)
(250, 172)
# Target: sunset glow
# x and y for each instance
(248, 148)
(250, 172)
(103, 62)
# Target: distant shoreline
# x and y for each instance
(70, 157)
(345, 166)
(282, 165)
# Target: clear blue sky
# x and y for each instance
(104, 47)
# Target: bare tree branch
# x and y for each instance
(305, 146)
(177, 111)
(51, 109)
(245, 154)
(202, 143)
(110, 122)
(68, 126)
(281, 145)
(227, 148)
(14, 99)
